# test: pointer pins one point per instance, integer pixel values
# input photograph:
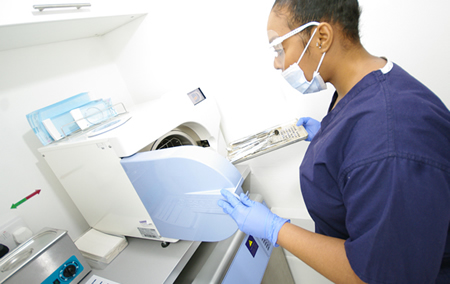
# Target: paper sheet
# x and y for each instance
(100, 280)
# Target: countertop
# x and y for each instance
(146, 261)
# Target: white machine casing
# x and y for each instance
(88, 165)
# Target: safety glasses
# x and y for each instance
(275, 43)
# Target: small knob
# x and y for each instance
(70, 271)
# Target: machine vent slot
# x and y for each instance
(204, 143)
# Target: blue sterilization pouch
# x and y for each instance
(36, 118)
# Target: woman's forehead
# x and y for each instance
(278, 22)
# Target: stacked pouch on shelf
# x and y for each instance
(58, 120)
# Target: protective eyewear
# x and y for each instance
(275, 43)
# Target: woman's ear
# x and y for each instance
(324, 37)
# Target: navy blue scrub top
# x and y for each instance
(377, 174)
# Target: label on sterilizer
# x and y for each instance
(251, 245)
(148, 233)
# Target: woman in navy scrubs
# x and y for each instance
(376, 176)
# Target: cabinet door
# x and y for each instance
(15, 12)
(21, 25)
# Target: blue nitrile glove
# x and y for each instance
(311, 125)
(252, 218)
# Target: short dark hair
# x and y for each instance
(344, 13)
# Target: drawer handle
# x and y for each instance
(70, 5)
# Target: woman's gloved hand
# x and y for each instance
(311, 125)
(252, 218)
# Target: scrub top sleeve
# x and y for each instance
(394, 204)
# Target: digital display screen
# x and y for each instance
(196, 96)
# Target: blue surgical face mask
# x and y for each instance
(294, 75)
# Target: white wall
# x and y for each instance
(218, 46)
